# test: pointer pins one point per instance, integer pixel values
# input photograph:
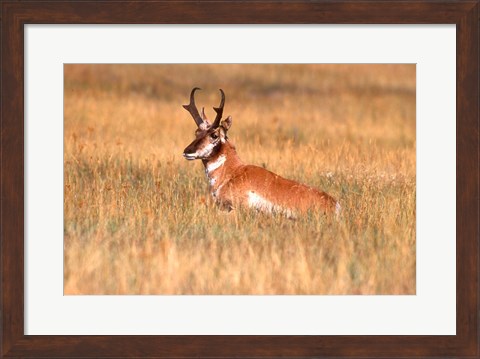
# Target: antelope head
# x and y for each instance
(209, 137)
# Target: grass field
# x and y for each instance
(138, 218)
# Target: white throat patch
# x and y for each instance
(212, 166)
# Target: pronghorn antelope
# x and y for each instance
(233, 183)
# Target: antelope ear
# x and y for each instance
(227, 123)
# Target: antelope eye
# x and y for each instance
(214, 135)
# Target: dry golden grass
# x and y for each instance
(137, 215)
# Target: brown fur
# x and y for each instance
(234, 180)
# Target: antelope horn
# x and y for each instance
(219, 111)
(204, 116)
(192, 108)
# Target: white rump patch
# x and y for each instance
(260, 203)
(263, 205)
(212, 166)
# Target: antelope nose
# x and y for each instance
(189, 156)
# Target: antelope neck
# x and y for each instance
(215, 164)
(226, 156)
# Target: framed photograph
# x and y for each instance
(278, 235)
(239, 179)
